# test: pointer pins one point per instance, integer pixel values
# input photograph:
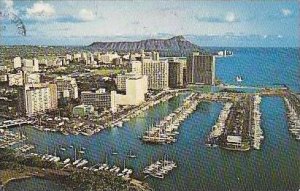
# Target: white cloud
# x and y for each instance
(231, 17)
(41, 9)
(9, 3)
(86, 15)
(286, 12)
(9, 6)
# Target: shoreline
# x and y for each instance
(14, 179)
(58, 178)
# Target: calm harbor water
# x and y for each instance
(275, 167)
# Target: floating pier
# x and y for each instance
(166, 130)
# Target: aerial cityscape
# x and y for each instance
(149, 95)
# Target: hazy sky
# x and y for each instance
(215, 23)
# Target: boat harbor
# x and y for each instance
(96, 124)
(24, 148)
(14, 123)
(219, 128)
(9, 138)
(160, 168)
(257, 133)
(166, 130)
(292, 103)
(238, 124)
(79, 162)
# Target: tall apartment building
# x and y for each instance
(38, 98)
(136, 88)
(67, 87)
(99, 99)
(121, 80)
(157, 73)
(175, 73)
(201, 69)
(17, 62)
(136, 67)
(155, 55)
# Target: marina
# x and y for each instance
(219, 128)
(83, 164)
(292, 103)
(238, 125)
(9, 138)
(160, 168)
(257, 133)
(104, 121)
(200, 119)
(166, 130)
(14, 123)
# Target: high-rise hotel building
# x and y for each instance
(201, 69)
(157, 72)
(176, 67)
(38, 98)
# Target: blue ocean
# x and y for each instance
(276, 166)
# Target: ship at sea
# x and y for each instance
(239, 78)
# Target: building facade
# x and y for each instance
(99, 99)
(15, 79)
(121, 80)
(83, 110)
(175, 73)
(67, 87)
(136, 67)
(38, 98)
(136, 88)
(17, 62)
(201, 69)
(157, 73)
(29, 65)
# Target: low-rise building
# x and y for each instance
(3, 78)
(100, 99)
(32, 78)
(29, 65)
(83, 110)
(15, 79)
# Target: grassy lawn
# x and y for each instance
(106, 72)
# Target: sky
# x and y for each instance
(235, 23)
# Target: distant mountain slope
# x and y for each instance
(175, 46)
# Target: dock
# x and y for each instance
(14, 123)
(238, 125)
(292, 103)
(160, 168)
(166, 130)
